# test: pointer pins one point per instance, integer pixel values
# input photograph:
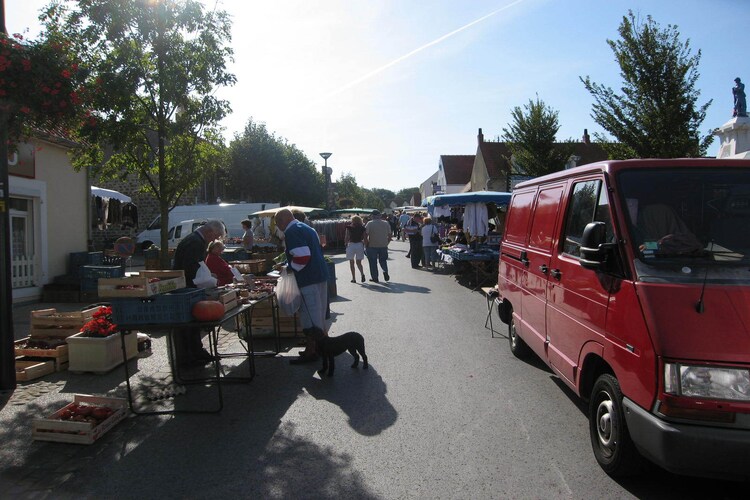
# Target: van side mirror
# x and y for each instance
(594, 247)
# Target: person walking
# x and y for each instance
(403, 220)
(377, 237)
(304, 257)
(355, 246)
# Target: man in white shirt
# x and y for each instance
(377, 237)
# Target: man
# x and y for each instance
(403, 219)
(190, 252)
(377, 237)
(411, 229)
(304, 257)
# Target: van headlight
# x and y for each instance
(711, 382)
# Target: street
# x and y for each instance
(444, 411)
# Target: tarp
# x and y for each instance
(309, 211)
(497, 197)
(366, 211)
(110, 193)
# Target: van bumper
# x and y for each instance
(691, 450)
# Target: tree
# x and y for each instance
(530, 137)
(154, 72)
(656, 115)
(406, 194)
(267, 168)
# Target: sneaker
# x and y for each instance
(374, 280)
(386, 276)
(363, 278)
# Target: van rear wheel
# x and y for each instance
(518, 347)
(610, 438)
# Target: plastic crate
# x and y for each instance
(114, 260)
(172, 307)
(79, 259)
(96, 272)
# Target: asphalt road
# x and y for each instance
(445, 411)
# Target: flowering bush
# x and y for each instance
(39, 85)
(101, 325)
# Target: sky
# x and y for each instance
(388, 86)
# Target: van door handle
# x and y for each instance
(524, 258)
(556, 274)
(543, 268)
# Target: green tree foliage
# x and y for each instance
(531, 139)
(154, 68)
(350, 193)
(406, 194)
(656, 115)
(265, 168)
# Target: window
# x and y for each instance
(588, 203)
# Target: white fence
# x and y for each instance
(22, 272)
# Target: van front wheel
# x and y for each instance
(518, 347)
(610, 439)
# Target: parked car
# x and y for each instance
(631, 280)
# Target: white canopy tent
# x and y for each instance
(110, 193)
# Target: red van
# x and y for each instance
(631, 280)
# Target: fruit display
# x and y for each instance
(41, 343)
(78, 412)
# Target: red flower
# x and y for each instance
(25, 109)
(65, 73)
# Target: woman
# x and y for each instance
(217, 265)
(355, 247)
(429, 247)
(247, 237)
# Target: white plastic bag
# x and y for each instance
(288, 294)
(203, 278)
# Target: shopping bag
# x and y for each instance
(203, 278)
(288, 294)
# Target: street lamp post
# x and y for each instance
(327, 177)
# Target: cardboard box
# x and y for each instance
(142, 285)
(30, 369)
(68, 431)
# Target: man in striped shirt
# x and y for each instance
(304, 257)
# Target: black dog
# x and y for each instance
(329, 347)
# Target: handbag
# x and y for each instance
(288, 294)
(434, 237)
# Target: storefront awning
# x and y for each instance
(497, 197)
(110, 193)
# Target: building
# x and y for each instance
(49, 203)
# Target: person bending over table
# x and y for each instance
(191, 251)
(304, 257)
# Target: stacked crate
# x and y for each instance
(50, 328)
(262, 321)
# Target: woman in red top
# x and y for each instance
(217, 265)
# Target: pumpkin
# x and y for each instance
(208, 310)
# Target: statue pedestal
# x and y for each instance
(734, 137)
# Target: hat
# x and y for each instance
(737, 79)
(376, 213)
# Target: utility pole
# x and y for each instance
(7, 357)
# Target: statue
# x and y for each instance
(740, 104)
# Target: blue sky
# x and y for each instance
(388, 86)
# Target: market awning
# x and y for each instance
(309, 211)
(366, 211)
(110, 193)
(497, 197)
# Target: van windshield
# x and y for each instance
(688, 224)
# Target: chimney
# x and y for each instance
(586, 138)
(480, 136)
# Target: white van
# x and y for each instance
(232, 214)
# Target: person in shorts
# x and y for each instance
(355, 246)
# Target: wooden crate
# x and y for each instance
(67, 431)
(50, 318)
(141, 285)
(253, 266)
(30, 369)
(58, 355)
